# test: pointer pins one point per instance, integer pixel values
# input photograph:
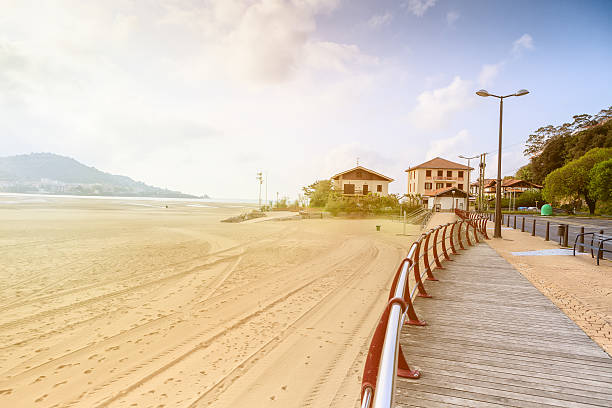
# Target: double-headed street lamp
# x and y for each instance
(498, 211)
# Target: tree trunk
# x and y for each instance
(591, 204)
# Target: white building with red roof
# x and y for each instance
(361, 181)
(442, 184)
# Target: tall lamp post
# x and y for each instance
(498, 210)
(467, 204)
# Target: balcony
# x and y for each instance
(444, 178)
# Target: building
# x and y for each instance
(438, 178)
(360, 181)
(510, 187)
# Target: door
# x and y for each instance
(365, 189)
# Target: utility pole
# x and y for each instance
(467, 200)
(260, 179)
(481, 179)
(266, 190)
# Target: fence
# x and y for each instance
(564, 233)
(385, 358)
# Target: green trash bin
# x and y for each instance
(378, 228)
(546, 209)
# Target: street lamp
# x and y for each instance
(498, 211)
(467, 204)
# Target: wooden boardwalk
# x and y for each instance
(493, 340)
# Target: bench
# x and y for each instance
(597, 243)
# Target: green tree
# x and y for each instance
(600, 186)
(524, 173)
(318, 192)
(572, 181)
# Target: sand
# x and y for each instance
(130, 304)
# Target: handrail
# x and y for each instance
(385, 360)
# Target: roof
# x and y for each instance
(445, 190)
(440, 163)
(512, 182)
(364, 169)
(486, 181)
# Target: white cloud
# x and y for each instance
(451, 17)
(449, 147)
(488, 73)
(525, 42)
(380, 20)
(435, 108)
(419, 7)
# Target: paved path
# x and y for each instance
(575, 223)
(494, 340)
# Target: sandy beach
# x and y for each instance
(128, 303)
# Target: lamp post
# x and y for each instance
(498, 211)
(467, 204)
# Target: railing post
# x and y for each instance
(459, 235)
(547, 236)
(435, 250)
(452, 244)
(467, 234)
(417, 272)
(533, 228)
(476, 233)
(565, 235)
(484, 230)
(581, 240)
(515, 222)
(426, 258)
(523, 225)
(600, 253)
(444, 244)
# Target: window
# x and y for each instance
(460, 174)
(449, 184)
(428, 173)
(427, 186)
(379, 188)
(460, 186)
(449, 173)
(349, 189)
(440, 173)
(439, 185)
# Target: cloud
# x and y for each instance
(419, 7)
(525, 42)
(451, 17)
(380, 20)
(435, 108)
(488, 73)
(331, 56)
(450, 146)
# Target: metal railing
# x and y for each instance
(385, 360)
(564, 232)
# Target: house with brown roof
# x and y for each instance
(510, 187)
(360, 181)
(442, 184)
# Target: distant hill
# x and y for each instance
(49, 173)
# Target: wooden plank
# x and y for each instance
(494, 340)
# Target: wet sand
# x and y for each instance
(131, 304)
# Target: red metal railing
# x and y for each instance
(385, 358)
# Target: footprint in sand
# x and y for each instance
(168, 380)
(112, 348)
(60, 383)
(41, 398)
(6, 392)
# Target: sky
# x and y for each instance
(200, 95)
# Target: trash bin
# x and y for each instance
(378, 228)
(546, 209)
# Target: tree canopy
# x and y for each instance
(573, 180)
(550, 147)
(318, 192)
(600, 186)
